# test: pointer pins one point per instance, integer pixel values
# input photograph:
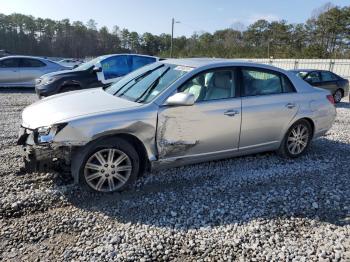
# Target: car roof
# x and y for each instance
(110, 55)
(204, 62)
(24, 56)
(308, 70)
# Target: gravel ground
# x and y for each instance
(255, 208)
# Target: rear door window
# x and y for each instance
(28, 62)
(9, 63)
(328, 76)
(264, 82)
(115, 66)
(140, 61)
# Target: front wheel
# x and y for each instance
(108, 165)
(296, 140)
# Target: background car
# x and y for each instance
(174, 112)
(338, 86)
(70, 62)
(101, 71)
(4, 52)
(21, 71)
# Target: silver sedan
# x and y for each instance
(21, 71)
(171, 113)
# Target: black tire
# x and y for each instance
(284, 150)
(338, 95)
(85, 154)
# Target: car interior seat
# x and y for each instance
(220, 86)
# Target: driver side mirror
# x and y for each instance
(180, 99)
(97, 69)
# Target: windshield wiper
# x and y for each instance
(148, 91)
(136, 80)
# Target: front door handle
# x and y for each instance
(290, 105)
(231, 113)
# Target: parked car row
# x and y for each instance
(169, 113)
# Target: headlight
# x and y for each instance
(48, 80)
(45, 80)
(44, 131)
(46, 134)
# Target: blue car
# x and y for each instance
(99, 72)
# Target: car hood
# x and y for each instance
(63, 73)
(68, 106)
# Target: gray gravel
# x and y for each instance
(255, 208)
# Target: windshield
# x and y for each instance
(144, 84)
(89, 64)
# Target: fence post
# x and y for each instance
(331, 65)
(296, 64)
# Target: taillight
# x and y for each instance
(331, 99)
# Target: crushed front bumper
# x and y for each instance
(42, 157)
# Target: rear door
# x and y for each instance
(269, 103)
(329, 81)
(31, 69)
(9, 72)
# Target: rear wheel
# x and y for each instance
(338, 95)
(297, 140)
(108, 165)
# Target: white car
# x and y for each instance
(70, 62)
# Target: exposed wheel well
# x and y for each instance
(140, 149)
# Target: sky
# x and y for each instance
(154, 16)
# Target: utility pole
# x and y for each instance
(172, 36)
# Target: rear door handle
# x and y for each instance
(231, 113)
(290, 105)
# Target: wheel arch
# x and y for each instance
(130, 138)
(309, 120)
(70, 83)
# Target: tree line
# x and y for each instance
(326, 34)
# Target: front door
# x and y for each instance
(9, 72)
(31, 69)
(329, 81)
(209, 127)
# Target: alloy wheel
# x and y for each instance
(298, 139)
(107, 170)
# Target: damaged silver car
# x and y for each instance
(171, 113)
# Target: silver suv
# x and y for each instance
(171, 113)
